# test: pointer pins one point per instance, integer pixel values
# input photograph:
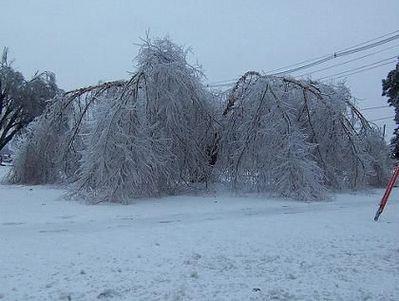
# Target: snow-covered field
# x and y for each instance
(214, 247)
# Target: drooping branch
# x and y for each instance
(240, 87)
(304, 86)
(100, 88)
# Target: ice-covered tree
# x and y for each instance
(149, 135)
(162, 131)
(178, 103)
(122, 157)
(262, 146)
(49, 151)
(38, 154)
(275, 126)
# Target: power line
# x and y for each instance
(324, 56)
(383, 118)
(363, 70)
(296, 64)
(227, 83)
(322, 59)
(357, 70)
(343, 74)
(224, 81)
(339, 54)
(348, 61)
(374, 108)
(390, 59)
(373, 39)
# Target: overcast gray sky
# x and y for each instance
(84, 41)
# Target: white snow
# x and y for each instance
(213, 247)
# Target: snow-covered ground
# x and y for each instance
(214, 247)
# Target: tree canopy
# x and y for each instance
(390, 89)
(21, 100)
